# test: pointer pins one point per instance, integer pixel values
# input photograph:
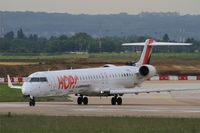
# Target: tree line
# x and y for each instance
(19, 42)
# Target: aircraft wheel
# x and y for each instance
(85, 100)
(119, 101)
(79, 100)
(113, 100)
(32, 102)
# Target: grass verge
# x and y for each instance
(71, 124)
(15, 95)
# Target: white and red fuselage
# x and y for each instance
(89, 82)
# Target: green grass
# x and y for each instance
(10, 95)
(15, 95)
(43, 57)
(71, 124)
(99, 56)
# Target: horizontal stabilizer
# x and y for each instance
(157, 44)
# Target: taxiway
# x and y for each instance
(174, 104)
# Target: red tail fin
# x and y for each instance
(146, 53)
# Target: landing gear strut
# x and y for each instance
(81, 100)
(32, 101)
(117, 100)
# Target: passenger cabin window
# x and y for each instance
(113, 75)
(38, 79)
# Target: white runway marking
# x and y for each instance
(66, 109)
(140, 110)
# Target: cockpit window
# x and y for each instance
(38, 79)
(35, 80)
(43, 79)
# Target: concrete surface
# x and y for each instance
(174, 104)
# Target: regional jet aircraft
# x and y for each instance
(109, 80)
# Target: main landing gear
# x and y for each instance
(32, 101)
(116, 100)
(84, 100)
(81, 100)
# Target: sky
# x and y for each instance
(102, 6)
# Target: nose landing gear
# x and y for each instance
(32, 101)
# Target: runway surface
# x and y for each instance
(174, 104)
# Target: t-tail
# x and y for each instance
(145, 70)
(147, 50)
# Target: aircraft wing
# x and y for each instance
(149, 90)
(10, 85)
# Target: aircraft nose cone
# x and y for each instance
(25, 89)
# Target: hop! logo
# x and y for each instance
(67, 81)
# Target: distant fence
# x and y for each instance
(20, 80)
(178, 77)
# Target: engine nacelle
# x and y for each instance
(147, 71)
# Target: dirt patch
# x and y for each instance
(18, 63)
(26, 68)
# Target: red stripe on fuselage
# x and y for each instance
(148, 51)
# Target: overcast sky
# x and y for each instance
(102, 6)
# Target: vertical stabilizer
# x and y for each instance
(146, 53)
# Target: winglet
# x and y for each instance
(9, 82)
(10, 85)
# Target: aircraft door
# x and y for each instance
(104, 82)
(42, 85)
(51, 83)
